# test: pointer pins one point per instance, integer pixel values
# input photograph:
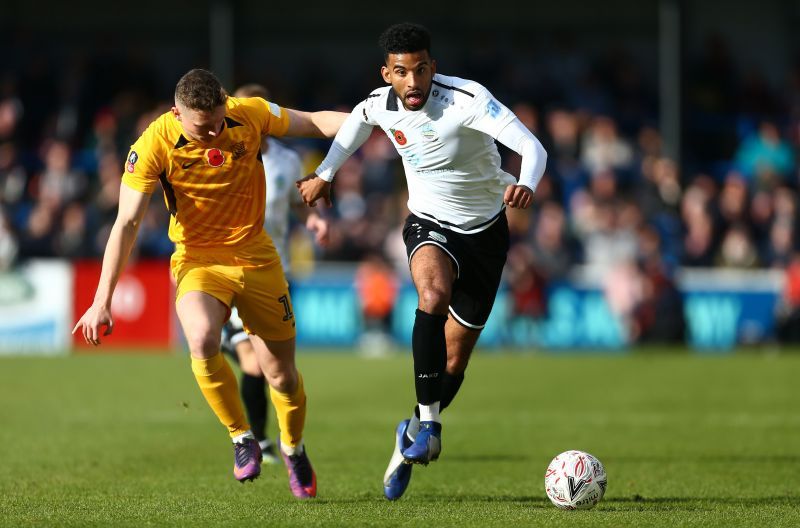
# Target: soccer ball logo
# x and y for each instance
(575, 480)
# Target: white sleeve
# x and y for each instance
(486, 114)
(354, 132)
(518, 138)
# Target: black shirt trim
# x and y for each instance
(453, 88)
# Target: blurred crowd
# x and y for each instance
(611, 200)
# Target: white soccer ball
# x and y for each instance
(575, 480)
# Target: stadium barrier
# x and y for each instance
(40, 301)
(721, 310)
(36, 308)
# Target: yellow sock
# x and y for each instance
(291, 412)
(218, 384)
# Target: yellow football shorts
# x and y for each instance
(249, 277)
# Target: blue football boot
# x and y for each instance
(398, 474)
(426, 446)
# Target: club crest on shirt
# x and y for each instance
(132, 159)
(399, 137)
(239, 150)
(215, 157)
(427, 131)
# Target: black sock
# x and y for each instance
(430, 356)
(254, 397)
(450, 386)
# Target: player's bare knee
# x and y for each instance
(203, 344)
(456, 365)
(434, 300)
(283, 382)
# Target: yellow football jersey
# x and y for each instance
(215, 192)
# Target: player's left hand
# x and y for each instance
(518, 196)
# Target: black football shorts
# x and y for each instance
(479, 259)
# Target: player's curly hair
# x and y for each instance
(405, 38)
(200, 90)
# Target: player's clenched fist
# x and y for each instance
(312, 188)
(518, 196)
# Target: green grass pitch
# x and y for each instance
(125, 440)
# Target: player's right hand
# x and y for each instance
(312, 188)
(94, 318)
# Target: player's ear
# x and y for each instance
(433, 66)
(176, 112)
(385, 74)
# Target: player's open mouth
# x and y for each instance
(414, 98)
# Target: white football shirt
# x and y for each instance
(450, 158)
(282, 168)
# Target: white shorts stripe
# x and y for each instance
(463, 322)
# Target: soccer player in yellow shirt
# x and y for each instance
(205, 152)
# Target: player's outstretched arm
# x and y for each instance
(352, 134)
(132, 206)
(323, 124)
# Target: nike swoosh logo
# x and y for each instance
(187, 165)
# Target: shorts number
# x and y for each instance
(283, 299)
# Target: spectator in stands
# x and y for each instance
(552, 244)
(376, 286)
(60, 183)
(13, 176)
(612, 238)
(765, 158)
(781, 247)
(623, 288)
(563, 133)
(102, 209)
(36, 239)
(737, 249)
(8, 242)
(10, 116)
(603, 149)
(526, 284)
(72, 240)
(787, 312)
(659, 317)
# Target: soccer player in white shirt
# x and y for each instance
(456, 236)
(282, 168)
